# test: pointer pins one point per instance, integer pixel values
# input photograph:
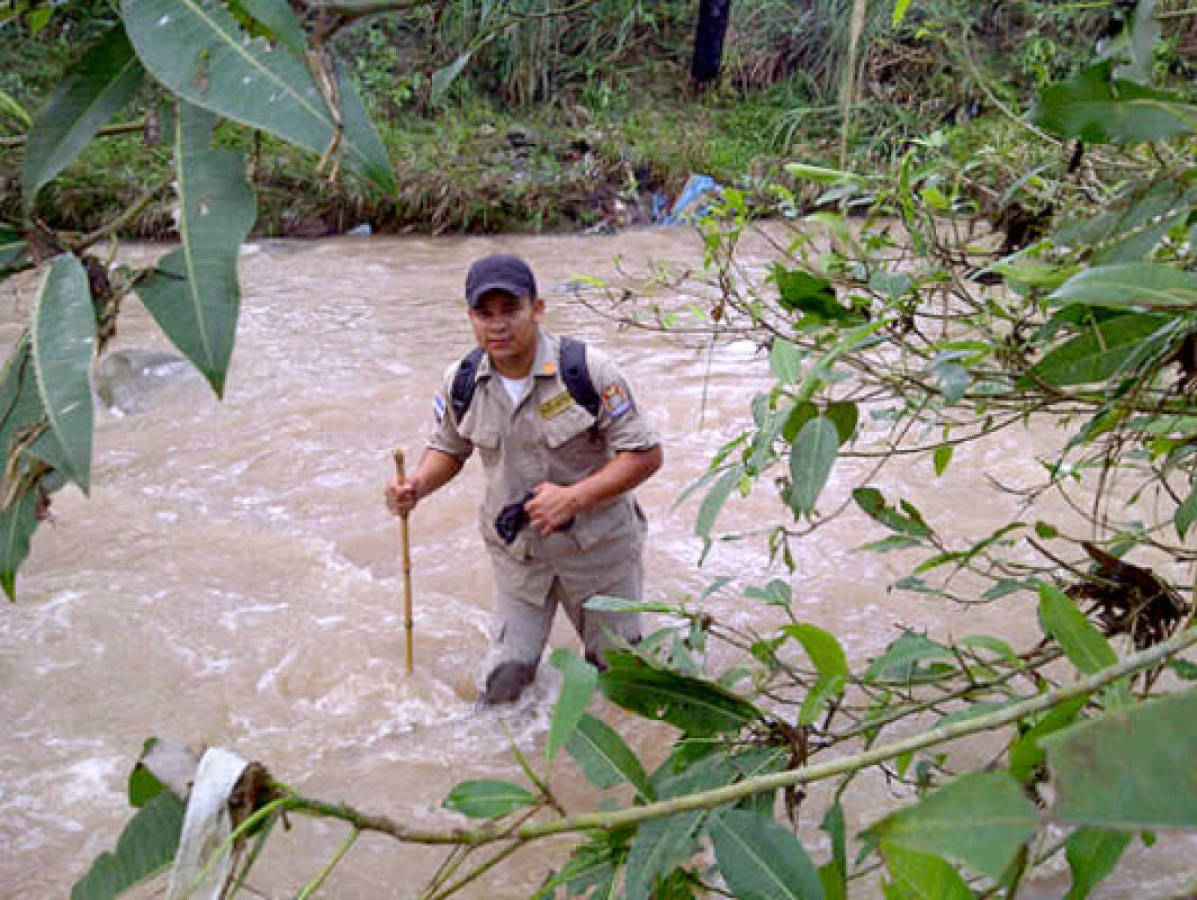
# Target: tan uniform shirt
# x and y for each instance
(546, 436)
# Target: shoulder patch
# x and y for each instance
(616, 400)
(438, 407)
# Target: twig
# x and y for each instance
(125, 128)
(314, 885)
(124, 218)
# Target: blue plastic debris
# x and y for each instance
(688, 207)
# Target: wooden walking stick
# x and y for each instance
(407, 622)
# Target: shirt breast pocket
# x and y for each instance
(481, 433)
(566, 426)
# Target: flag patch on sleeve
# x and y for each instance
(616, 400)
(438, 407)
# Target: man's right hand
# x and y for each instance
(402, 495)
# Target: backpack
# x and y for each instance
(571, 363)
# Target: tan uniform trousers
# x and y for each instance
(521, 627)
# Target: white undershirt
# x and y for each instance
(515, 386)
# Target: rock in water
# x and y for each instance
(125, 380)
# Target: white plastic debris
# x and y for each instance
(206, 825)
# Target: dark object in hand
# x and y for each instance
(513, 517)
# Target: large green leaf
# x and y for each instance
(103, 81)
(1140, 285)
(921, 876)
(1097, 108)
(198, 50)
(194, 294)
(1085, 645)
(760, 860)
(660, 846)
(145, 848)
(17, 524)
(64, 342)
(811, 458)
(1097, 354)
(605, 758)
(577, 688)
(1092, 854)
(980, 819)
(1131, 768)
(487, 799)
(279, 19)
(821, 646)
(900, 661)
(699, 708)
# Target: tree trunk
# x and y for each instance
(708, 41)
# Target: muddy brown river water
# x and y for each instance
(233, 579)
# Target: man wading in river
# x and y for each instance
(563, 445)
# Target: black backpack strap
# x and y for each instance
(576, 375)
(464, 379)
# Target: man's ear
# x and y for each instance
(538, 308)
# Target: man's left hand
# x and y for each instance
(552, 507)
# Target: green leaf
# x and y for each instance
(443, 78)
(1098, 354)
(102, 83)
(821, 175)
(1026, 755)
(18, 521)
(1186, 513)
(811, 458)
(699, 708)
(198, 51)
(365, 150)
(1099, 109)
(980, 819)
(818, 697)
(893, 542)
(577, 687)
(1147, 286)
(900, 8)
(1092, 854)
(1082, 642)
(775, 593)
(834, 874)
(487, 799)
(993, 644)
(145, 848)
(953, 381)
(63, 346)
(143, 784)
(785, 360)
(941, 458)
(1131, 768)
(871, 501)
(590, 866)
(660, 846)
(810, 294)
(604, 603)
(845, 417)
(901, 658)
(714, 500)
(760, 860)
(796, 418)
(280, 21)
(194, 294)
(921, 876)
(605, 758)
(821, 646)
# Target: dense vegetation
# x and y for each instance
(577, 121)
(898, 326)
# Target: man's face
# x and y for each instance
(506, 327)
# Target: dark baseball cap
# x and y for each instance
(499, 272)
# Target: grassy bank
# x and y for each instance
(587, 121)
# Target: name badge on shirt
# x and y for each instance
(555, 406)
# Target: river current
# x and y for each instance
(233, 580)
